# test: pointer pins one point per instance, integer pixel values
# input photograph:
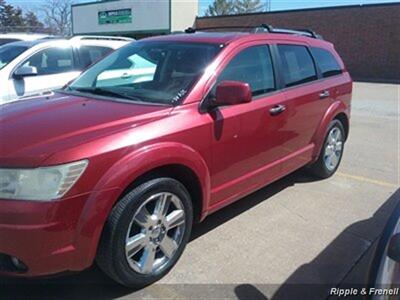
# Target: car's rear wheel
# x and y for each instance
(331, 153)
(146, 232)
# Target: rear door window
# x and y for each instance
(297, 64)
(90, 54)
(133, 69)
(326, 62)
(253, 66)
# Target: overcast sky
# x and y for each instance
(275, 4)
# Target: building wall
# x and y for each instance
(147, 16)
(183, 14)
(367, 37)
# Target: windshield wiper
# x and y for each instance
(106, 92)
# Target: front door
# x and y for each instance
(246, 136)
(55, 67)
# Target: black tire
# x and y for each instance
(319, 168)
(111, 252)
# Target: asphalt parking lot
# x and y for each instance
(292, 239)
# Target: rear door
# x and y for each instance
(55, 67)
(306, 101)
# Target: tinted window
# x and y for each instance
(297, 63)
(6, 41)
(52, 61)
(253, 66)
(9, 52)
(91, 54)
(326, 62)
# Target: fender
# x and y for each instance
(336, 108)
(109, 189)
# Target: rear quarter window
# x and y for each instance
(326, 62)
(297, 65)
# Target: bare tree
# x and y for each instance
(230, 7)
(58, 16)
(220, 7)
(248, 6)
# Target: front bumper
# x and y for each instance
(39, 234)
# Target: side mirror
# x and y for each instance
(25, 71)
(232, 92)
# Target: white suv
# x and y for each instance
(16, 37)
(32, 68)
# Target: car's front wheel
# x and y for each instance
(331, 152)
(146, 232)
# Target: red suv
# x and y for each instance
(116, 167)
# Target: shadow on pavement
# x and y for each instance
(249, 291)
(331, 267)
(310, 281)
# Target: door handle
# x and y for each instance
(276, 110)
(324, 94)
(125, 76)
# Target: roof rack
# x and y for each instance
(100, 37)
(261, 28)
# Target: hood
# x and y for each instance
(32, 130)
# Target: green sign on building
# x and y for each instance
(117, 16)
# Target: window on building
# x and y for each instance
(298, 65)
(326, 62)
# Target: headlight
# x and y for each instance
(41, 184)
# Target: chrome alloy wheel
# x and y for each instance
(333, 148)
(155, 233)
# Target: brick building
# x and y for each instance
(366, 36)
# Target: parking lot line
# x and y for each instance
(369, 180)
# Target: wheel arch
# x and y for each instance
(179, 172)
(342, 117)
(339, 111)
(165, 159)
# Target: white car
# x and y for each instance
(17, 37)
(32, 68)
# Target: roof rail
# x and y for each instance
(101, 37)
(261, 28)
(305, 32)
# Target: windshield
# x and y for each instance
(9, 52)
(153, 72)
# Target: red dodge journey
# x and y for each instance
(118, 165)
